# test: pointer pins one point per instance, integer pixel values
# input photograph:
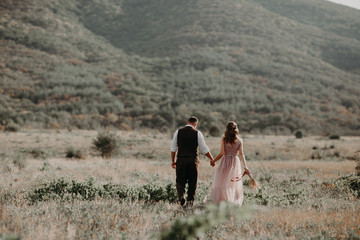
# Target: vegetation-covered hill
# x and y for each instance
(270, 65)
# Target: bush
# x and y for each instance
(64, 190)
(335, 137)
(106, 144)
(298, 134)
(344, 186)
(36, 153)
(316, 155)
(19, 161)
(11, 128)
(46, 166)
(195, 226)
(74, 153)
(357, 159)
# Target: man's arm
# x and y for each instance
(209, 156)
(173, 163)
(203, 147)
(173, 149)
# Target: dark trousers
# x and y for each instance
(186, 172)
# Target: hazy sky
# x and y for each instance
(350, 3)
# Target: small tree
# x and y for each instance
(298, 134)
(106, 144)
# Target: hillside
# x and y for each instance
(271, 65)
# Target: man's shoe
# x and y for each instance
(190, 204)
(182, 201)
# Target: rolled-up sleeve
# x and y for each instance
(174, 144)
(202, 145)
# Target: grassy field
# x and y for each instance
(306, 188)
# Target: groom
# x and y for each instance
(186, 142)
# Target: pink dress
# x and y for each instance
(223, 189)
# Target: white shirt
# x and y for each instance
(201, 142)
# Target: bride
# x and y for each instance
(224, 188)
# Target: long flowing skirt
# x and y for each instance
(222, 188)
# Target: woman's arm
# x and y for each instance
(242, 156)
(222, 150)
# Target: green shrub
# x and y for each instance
(71, 152)
(195, 226)
(298, 134)
(148, 192)
(316, 155)
(36, 153)
(19, 161)
(344, 186)
(349, 183)
(12, 127)
(334, 137)
(46, 166)
(106, 144)
(357, 159)
(64, 190)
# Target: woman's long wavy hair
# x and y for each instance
(231, 132)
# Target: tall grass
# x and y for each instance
(132, 196)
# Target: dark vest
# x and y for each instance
(187, 143)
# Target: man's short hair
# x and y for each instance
(193, 120)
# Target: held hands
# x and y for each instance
(212, 163)
(247, 171)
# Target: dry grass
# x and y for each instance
(323, 170)
(290, 148)
(144, 157)
(336, 222)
